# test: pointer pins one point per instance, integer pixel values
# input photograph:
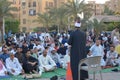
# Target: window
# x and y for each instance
(24, 21)
(14, 1)
(47, 4)
(24, 12)
(32, 12)
(34, 4)
(23, 5)
(29, 4)
(50, 4)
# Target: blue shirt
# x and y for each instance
(4, 56)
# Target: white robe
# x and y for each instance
(13, 65)
(98, 51)
(46, 62)
(66, 60)
(2, 72)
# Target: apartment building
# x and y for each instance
(28, 10)
(16, 3)
(97, 9)
(113, 5)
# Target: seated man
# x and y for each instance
(30, 64)
(54, 55)
(5, 54)
(111, 57)
(66, 60)
(3, 70)
(19, 55)
(46, 62)
(13, 65)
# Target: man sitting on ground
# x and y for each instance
(30, 64)
(46, 62)
(54, 55)
(111, 57)
(13, 65)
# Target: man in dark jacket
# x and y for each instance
(78, 46)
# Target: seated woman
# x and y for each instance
(30, 64)
(13, 65)
(3, 70)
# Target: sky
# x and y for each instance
(98, 1)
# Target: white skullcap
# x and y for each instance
(66, 44)
(77, 24)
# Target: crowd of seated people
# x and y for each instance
(27, 54)
(43, 52)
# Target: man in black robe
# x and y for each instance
(30, 64)
(78, 51)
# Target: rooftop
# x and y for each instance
(106, 18)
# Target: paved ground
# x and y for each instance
(106, 76)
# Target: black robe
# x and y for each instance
(78, 51)
(28, 67)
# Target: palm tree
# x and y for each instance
(107, 11)
(45, 19)
(59, 16)
(5, 11)
(75, 7)
(98, 26)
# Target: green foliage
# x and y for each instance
(45, 19)
(64, 15)
(5, 8)
(59, 16)
(111, 26)
(98, 26)
(75, 7)
(12, 25)
(53, 28)
(5, 12)
(36, 29)
(107, 11)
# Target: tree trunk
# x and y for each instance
(2, 30)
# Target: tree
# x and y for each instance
(112, 25)
(98, 26)
(75, 7)
(45, 19)
(107, 11)
(5, 11)
(59, 16)
(12, 26)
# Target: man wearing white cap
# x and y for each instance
(13, 65)
(78, 44)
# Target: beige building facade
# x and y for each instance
(16, 3)
(113, 5)
(97, 9)
(28, 15)
(28, 10)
